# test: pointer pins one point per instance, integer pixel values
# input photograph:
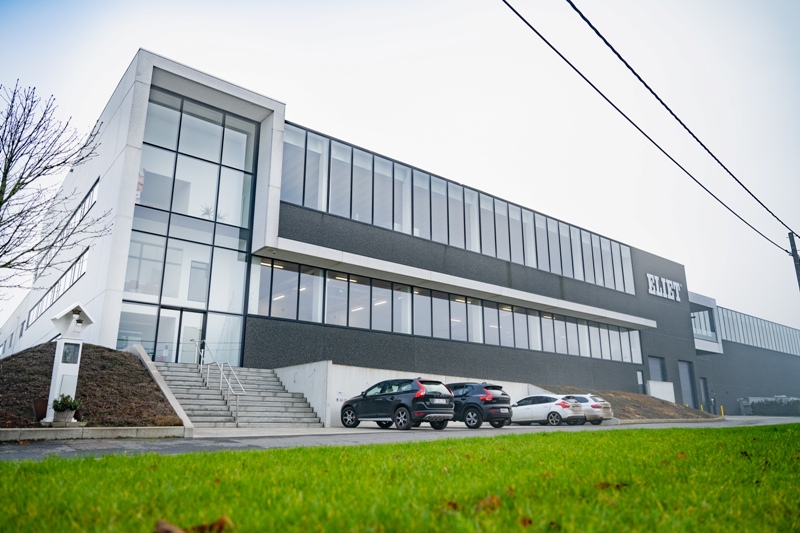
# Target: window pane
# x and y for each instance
(455, 214)
(150, 220)
(231, 237)
(529, 238)
(616, 344)
(163, 117)
(341, 157)
(491, 323)
(401, 309)
(422, 312)
(336, 298)
(583, 338)
(560, 333)
(360, 302)
(312, 284)
(515, 234)
(238, 144)
(608, 269)
(145, 265)
(487, 225)
(594, 340)
(402, 199)
(627, 269)
(605, 342)
(234, 198)
(167, 342)
(381, 305)
(572, 336)
(441, 315)
(362, 187)
(224, 337)
(615, 253)
(137, 325)
(577, 262)
(586, 244)
(566, 250)
(294, 147)
(520, 327)
(438, 210)
(548, 339)
(542, 253)
(501, 229)
(506, 325)
(636, 347)
(227, 281)
(195, 190)
(285, 279)
(260, 287)
(186, 274)
(422, 205)
(474, 320)
(472, 220)
(553, 240)
(626, 345)
(534, 330)
(382, 216)
(154, 188)
(598, 260)
(316, 187)
(458, 318)
(191, 229)
(201, 132)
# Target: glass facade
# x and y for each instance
(358, 184)
(292, 291)
(746, 329)
(186, 273)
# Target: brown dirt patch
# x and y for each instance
(115, 388)
(633, 406)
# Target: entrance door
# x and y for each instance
(177, 331)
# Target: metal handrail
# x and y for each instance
(200, 356)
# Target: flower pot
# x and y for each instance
(63, 416)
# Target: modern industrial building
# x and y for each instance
(284, 247)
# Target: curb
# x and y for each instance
(21, 434)
(670, 420)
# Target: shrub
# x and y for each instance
(66, 403)
(776, 408)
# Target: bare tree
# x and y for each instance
(37, 218)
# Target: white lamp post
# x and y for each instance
(70, 323)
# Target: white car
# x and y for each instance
(595, 408)
(547, 410)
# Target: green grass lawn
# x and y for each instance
(735, 479)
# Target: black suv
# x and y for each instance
(476, 402)
(404, 402)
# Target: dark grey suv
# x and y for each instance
(402, 402)
(479, 402)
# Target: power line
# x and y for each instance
(690, 132)
(640, 130)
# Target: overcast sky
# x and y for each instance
(464, 90)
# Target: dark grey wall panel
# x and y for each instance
(271, 343)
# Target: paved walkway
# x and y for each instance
(211, 440)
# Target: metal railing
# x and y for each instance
(205, 358)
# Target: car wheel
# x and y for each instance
(571, 422)
(402, 418)
(349, 418)
(384, 425)
(554, 419)
(497, 423)
(581, 422)
(596, 422)
(417, 424)
(439, 425)
(472, 418)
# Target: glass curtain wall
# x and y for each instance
(186, 271)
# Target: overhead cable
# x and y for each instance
(640, 130)
(690, 132)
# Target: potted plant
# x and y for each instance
(65, 407)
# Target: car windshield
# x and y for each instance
(493, 387)
(435, 386)
(597, 399)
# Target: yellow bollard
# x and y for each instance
(721, 408)
(701, 407)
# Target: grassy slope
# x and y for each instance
(734, 479)
(115, 388)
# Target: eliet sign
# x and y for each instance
(665, 288)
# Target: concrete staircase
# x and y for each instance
(265, 404)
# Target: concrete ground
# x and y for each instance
(212, 440)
